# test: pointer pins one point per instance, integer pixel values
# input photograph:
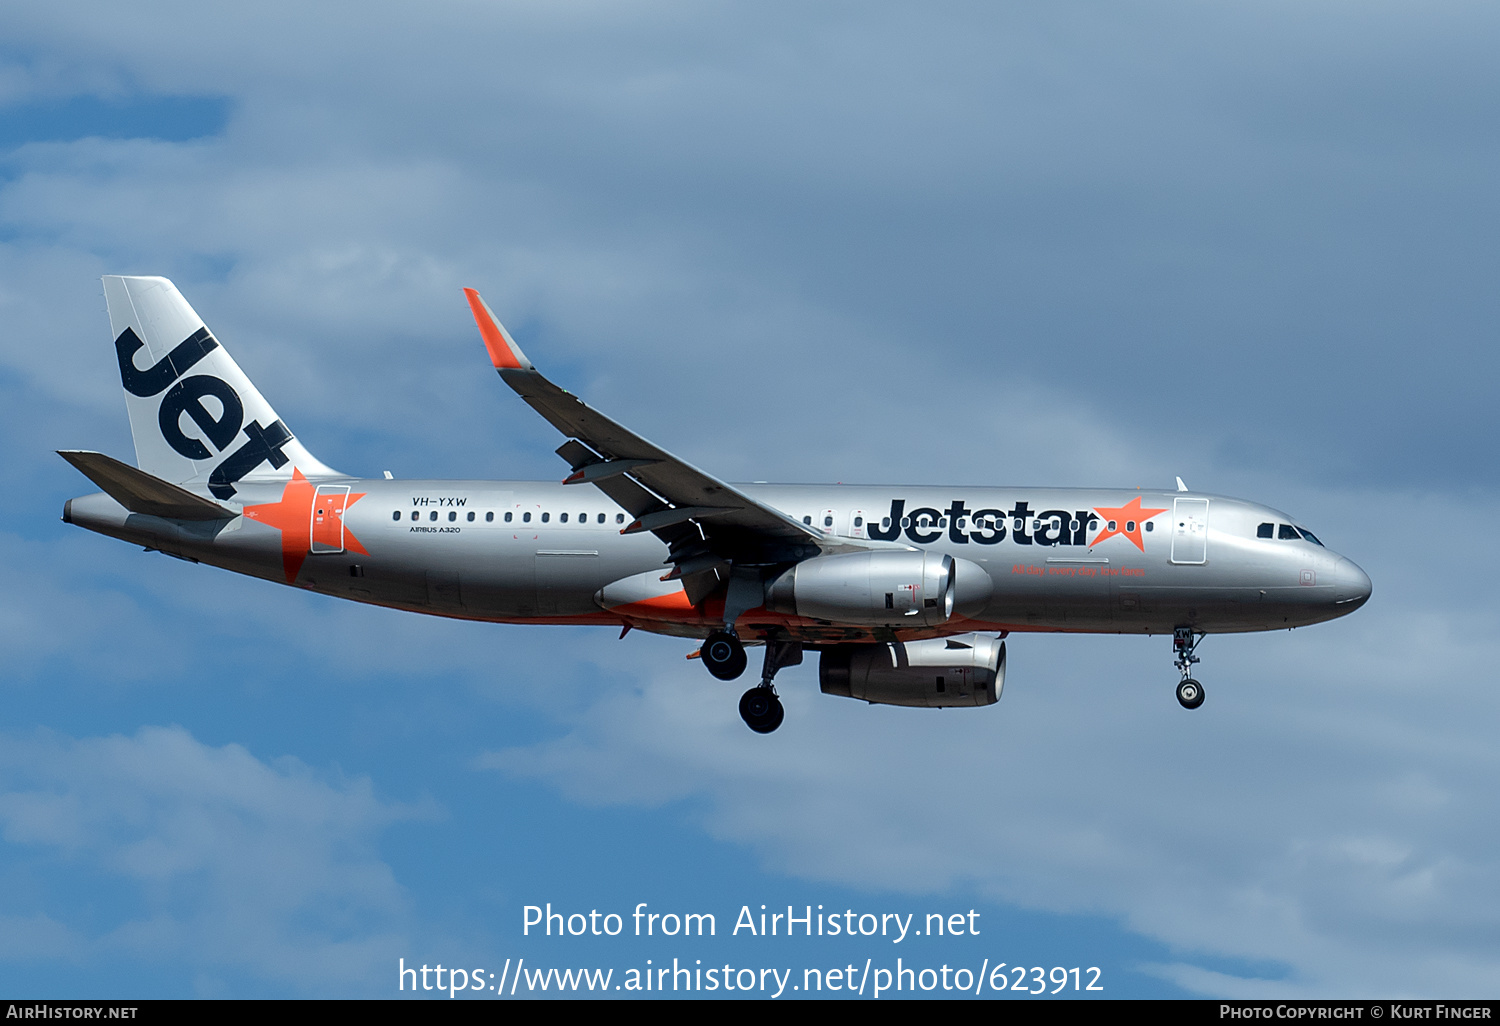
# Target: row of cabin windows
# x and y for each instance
(991, 523)
(828, 521)
(489, 517)
(983, 523)
(1286, 532)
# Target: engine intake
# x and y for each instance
(965, 670)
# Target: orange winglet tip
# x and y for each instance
(695, 654)
(504, 353)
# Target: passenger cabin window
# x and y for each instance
(1265, 531)
(619, 518)
(489, 517)
(563, 519)
(471, 516)
(859, 521)
(415, 514)
(828, 521)
(546, 517)
(1149, 525)
(432, 515)
(601, 518)
(807, 521)
(1286, 532)
(396, 515)
(452, 516)
(583, 518)
(525, 518)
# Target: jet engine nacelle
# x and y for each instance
(895, 588)
(965, 670)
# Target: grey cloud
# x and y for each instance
(1136, 205)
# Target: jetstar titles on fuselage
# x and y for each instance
(926, 524)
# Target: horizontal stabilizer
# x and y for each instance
(140, 492)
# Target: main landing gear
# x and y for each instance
(760, 708)
(1189, 691)
(724, 656)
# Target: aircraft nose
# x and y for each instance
(1352, 585)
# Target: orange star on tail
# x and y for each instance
(1129, 518)
(292, 516)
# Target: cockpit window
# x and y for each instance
(1287, 533)
(1311, 537)
(1266, 531)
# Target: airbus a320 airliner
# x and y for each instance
(905, 593)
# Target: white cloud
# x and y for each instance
(237, 865)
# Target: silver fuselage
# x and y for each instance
(549, 553)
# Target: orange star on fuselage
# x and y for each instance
(1132, 514)
(292, 516)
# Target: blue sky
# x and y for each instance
(1250, 244)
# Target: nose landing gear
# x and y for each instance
(1189, 691)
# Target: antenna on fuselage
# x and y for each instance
(1180, 486)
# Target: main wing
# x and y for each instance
(710, 526)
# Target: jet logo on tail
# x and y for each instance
(263, 441)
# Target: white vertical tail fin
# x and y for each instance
(196, 418)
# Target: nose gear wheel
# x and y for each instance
(1185, 643)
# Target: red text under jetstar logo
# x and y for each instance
(295, 518)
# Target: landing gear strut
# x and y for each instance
(1189, 691)
(724, 656)
(759, 707)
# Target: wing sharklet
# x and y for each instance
(504, 353)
